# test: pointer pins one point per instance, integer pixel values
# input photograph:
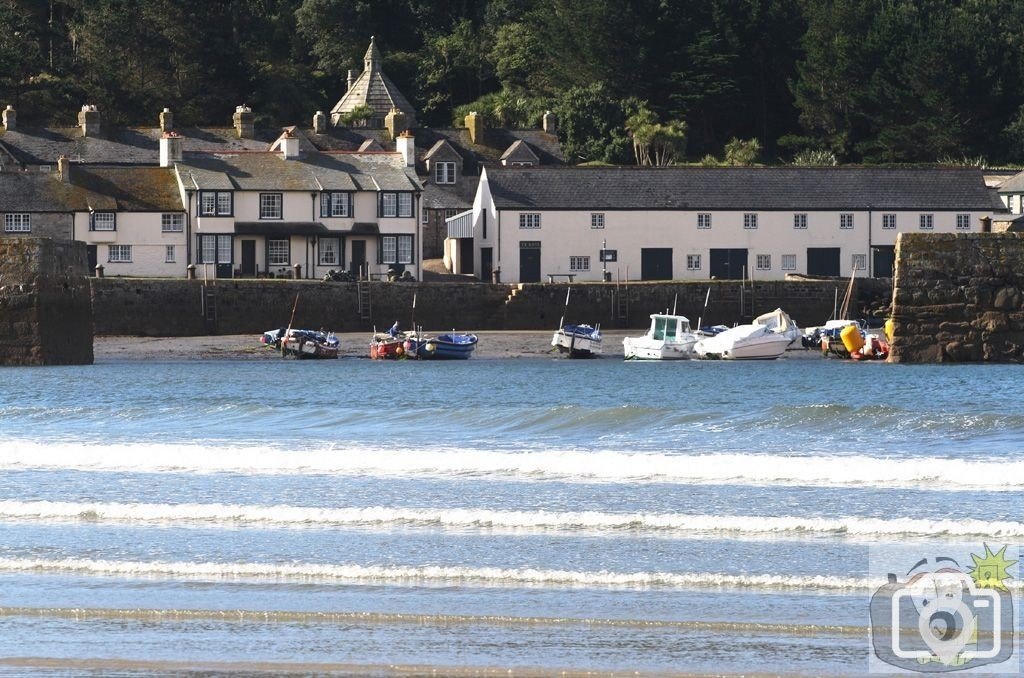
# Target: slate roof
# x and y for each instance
(267, 171)
(460, 196)
(42, 192)
(374, 89)
(121, 146)
(739, 188)
(1014, 184)
(133, 189)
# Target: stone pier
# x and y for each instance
(959, 298)
(45, 304)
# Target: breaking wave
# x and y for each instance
(435, 575)
(284, 516)
(567, 465)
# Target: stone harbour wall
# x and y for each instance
(45, 305)
(959, 298)
(148, 307)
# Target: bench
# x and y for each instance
(569, 277)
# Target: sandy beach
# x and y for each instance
(514, 344)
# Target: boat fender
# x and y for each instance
(430, 347)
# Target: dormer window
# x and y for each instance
(216, 203)
(103, 221)
(520, 163)
(444, 173)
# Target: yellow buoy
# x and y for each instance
(852, 338)
(889, 327)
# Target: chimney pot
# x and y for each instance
(475, 125)
(89, 120)
(170, 148)
(395, 122)
(406, 145)
(64, 169)
(549, 122)
(244, 122)
(319, 123)
(166, 120)
(10, 118)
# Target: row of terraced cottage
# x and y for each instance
(248, 201)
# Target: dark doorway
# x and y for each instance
(486, 263)
(358, 256)
(656, 263)
(90, 253)
(465, 255)
(728, 264)
(883, 261)
(249, 258)
(529, 261)
(823, 261)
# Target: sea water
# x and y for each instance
(525, 514)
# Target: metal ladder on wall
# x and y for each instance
(363, 298)
(209, 298)
(621, 301)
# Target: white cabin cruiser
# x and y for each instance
(669, 338)
(765, 339)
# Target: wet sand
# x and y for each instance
(513, 344)
(508, 344)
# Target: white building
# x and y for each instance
(261, 213)
(691, 223)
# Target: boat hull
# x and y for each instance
(574, 345)
(386, 347)
(743, 343)
(649, 349)
(447, 347)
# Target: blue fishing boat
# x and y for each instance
(450, 346)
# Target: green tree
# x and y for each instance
(742, 153)
(20, 52)
(653, 142)
(592, 124)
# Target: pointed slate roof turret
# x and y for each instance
(373, 89)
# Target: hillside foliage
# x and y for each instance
(632, 81)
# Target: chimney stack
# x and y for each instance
(244, 120)
(319, 123)
(89, 120)
(406, 145)
(395, 122)
(289, 145)
(10, 118)
(549, 122)
(64, 169)
(166, 120)
(351, 79)
(475, 125)
(170, 148)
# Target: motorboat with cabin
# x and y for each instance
(668, 338)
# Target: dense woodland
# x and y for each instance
(649, 81)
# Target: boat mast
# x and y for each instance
(561, 322)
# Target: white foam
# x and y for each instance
(572, 465)
(586, 521)
(434, 574)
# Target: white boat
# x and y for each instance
(778, 321)
(669, 338)
(744, 342)
(578, 341)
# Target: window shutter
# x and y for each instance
(325, 201)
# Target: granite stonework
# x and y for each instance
(45, 303)
(959, 298)
(163, 308)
